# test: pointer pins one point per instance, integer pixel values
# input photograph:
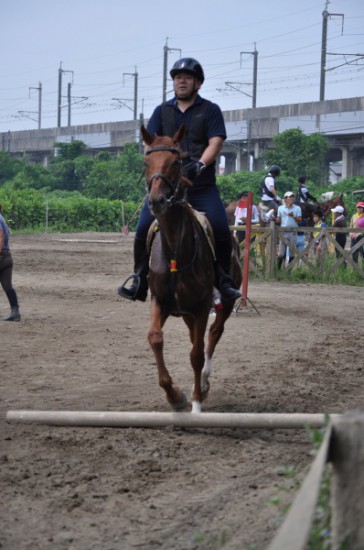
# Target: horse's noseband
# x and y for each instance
(174, 185)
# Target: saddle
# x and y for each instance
(266, 213)
(264, 207)
(202, 221)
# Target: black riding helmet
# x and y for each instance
(188, 65)
(275, 170)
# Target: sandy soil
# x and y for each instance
(80, 347)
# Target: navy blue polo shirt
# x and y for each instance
(4, 229)
(215, 127)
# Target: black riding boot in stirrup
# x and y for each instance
(138, 289)
(225, 284)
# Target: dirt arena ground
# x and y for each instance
(80, 347)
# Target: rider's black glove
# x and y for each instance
(193, 169)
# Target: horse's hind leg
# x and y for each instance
(215, 333)
(175, 396)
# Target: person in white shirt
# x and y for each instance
(270, 198)
(289, 215)
(240, 216)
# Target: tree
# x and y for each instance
(119, 177)
(299, 154)
(33, 176)
(9, 167)
(69, 151)
(70, 167)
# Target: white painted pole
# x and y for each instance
(160, 419)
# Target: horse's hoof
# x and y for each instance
(181, 404)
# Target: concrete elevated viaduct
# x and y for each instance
(250, 134)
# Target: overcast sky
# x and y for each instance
(100, 41)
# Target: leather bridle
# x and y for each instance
(174, 185)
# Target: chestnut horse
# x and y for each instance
(325, 207)
(182, 274)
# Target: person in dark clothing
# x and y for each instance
(340, 221)
(6, 271)
(303, 194)
(202, 143)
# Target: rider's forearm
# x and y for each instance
(212, 150)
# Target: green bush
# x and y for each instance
(26, 209)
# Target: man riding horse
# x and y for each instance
(302, 200)
(202, 144)
(303, 194)
(270, 199)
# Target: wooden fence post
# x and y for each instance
(271, 250)
(347, 456)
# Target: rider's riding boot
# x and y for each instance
(280, 261)
(291, 258)
(14, 315)
(138, 289)
(225, 284)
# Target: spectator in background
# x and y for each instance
(301, 237)
(357, 221)
(289, 215)
(340, 221)
(318, 225)
(6, 271)
(240, 216)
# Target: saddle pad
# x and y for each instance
(200, 218)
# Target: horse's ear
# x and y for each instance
(180, 134)
(147, 137)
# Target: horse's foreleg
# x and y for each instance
(175, 397)
(197, 358)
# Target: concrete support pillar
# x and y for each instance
(230, 163)
(347, 163)
(238, 161)
(344, 168)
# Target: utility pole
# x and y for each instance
(69, 103)
(141, 123)
(59, 102)
(39, 89)
(255, 74)
(32, 114)
(135, 75)
(166, 49)
(325, 18)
